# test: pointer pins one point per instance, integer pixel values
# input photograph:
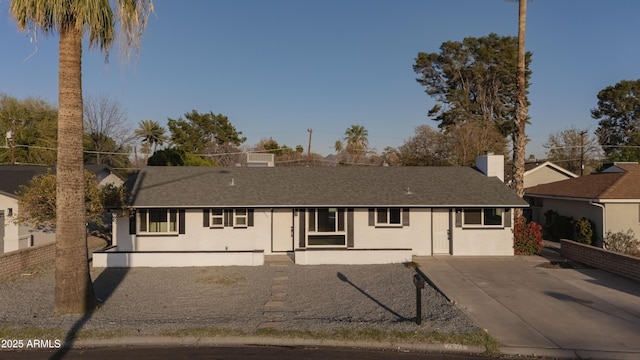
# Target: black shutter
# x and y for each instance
(249, 217)
(349, 228)
(132, 223)
(372, 219)
(507, 217)
(228, 217)
(301, 225)
(405, 217)
(459, 217)
(312, 219)
(206, 215)
(181, 221)
(143, 220)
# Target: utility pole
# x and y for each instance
(582, 133)
(13, 135)
(309, 147)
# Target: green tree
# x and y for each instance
(38, 200)
(619, 113)
(151, 134)
(71, 19)
(199, 133)
(177, 157)
(425, 148)
(356, 138)
(472, 80)
(32, 125)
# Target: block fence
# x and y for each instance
(623, 265)
(22, 260)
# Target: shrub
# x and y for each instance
(623, 242)
(557, 226)
(583, 231)
(527, 237)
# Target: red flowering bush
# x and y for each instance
(527, 237)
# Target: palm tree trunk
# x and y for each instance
(519, 135)
(73, 289)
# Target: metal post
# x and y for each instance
(418, 281)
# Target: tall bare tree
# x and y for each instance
(105, 125)
(72, 19)
(519, 135)
(575, 150)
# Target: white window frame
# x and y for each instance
(336, 231)
(387, 221)
(240, 220)
(482, 218)
(215, 217)
(169, 214)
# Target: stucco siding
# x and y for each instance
(482, 241)
(621, 217)
(416, 236)
(20, 236)
(543, 175)
(200, 238)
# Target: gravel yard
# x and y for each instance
(320, 298)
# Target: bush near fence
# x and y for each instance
(623, 265)
(22, 260)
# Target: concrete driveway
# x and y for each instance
(534, 308)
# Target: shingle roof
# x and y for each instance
(319, 186)
(603, 185)
(12, 176)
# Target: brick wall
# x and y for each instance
(624, 265)
(22, 260)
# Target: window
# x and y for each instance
(483, 217)
(240, 218)
(326, 227)
(217, 218)
(158, 221)
(388, 216)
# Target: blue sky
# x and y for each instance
(279, 67)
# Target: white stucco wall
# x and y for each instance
(623, 216)
(199, 238)
(11, 230)
(482, 242)
(20, 236)
(177, 259)
(416, 236)
(401, 242)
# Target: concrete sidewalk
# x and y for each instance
(534, 308)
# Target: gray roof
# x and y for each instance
(12, 176)
(319, 186)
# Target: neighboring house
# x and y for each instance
(15, 236)
(611, 199)
(18, 236)
(206, 216)
(536, 173)
(104, 174)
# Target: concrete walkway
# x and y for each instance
(534, 308)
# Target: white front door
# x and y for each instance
(282, 230)
(441, 231)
